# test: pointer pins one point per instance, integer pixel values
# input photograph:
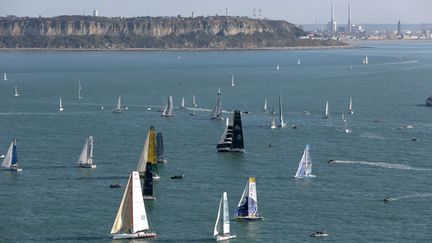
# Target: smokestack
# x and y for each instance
(349, 18)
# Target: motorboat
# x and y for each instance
(177, 176)
(319, 234)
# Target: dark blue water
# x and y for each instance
(53, 200)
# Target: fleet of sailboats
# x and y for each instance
(222, 225)
(304, 169)
(60, 104)
(217, 111)
(131, 221)
(10, 161)
(247, 208)
(232, 138)
(168, 111)
(86, 157)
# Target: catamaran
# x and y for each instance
(60, 105)
(160, 148)
(281, 120)
(182, 106)
(86, 158)
(10, 161)
(232, 138)
(247, 208)
(16, 92)
(131, 221)
(168, 111)
(304, 169)
(119, 108)
(232, 80)
(217, 111)
(79, 89)
(365, 60)
(222, 225)
(327, 111)
(4, 77)
(147, 164)
(219, 91)
(265, 105)
(350, 109)
(194, 104)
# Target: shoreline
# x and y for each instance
(289, 48)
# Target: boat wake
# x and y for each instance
(417, 195)
(397, 63)
(380, 164)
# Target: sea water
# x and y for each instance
(53, 200)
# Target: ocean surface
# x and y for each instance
(53, 200)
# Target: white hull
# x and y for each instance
(60, 109)
(305, 176)
(149, 197)
(117, 110)
(2, 156)
(273, 126)
(87, 166)
(134, 236)
(225, 237)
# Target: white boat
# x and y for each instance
(16, 92)
(219, 91)
(319, 234)
(365, 60)
(60, 104)
(131, 221)
(194, 104)
(350, 109)
(2, 156)
(343, 118)
(273, 124)
(182, 106)
(298, 62)
(119, 108)
(86, 157)
(147, 165)
(160, 149)
(327, 111)
(232, 138)
(247, 208)
(277, 67)
(232, 80)
(168, 111)
(345, 124)
(4, 77)
(217, 111)
(79, 89)
(304, 169)
(10, 161)
(265, 105)
(222, 225)
(281, 120)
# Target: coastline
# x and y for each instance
(289, 48)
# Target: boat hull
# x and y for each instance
(90, 166)
(225, 237)
(149, 198)
(249, 218)
(134, 236)
(305, 177)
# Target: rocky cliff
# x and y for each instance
(149, 32)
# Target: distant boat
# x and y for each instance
(273, 124)
(319, 234)
(160, 148)
(265, 105)
(194, 104)
(217, 111)
(327, 111)
(350, 109)
(247, 208)
(343, 118)
(119, 108)
(298, 62)
(131, 220)
(101, 108)
(365, 60)
(232, 138)
(345, 124)
(219, 91)
(86, 158)
(304, 169)
(79, 89)
(147, 164)
(182, 106)
(232, 80)
(16, 92)
(4, 77)
(272, 111)
(168, 111)
(277, 67)
(60, 104)
(428, 101)
(281, 120)
(10, 161)
(222, 225)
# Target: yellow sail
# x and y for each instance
(152, 146)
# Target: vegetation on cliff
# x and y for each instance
(151, 32)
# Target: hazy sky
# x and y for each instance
(295, 11)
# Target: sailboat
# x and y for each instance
(60, 105)
(304, 169)
(350, 109)
(343, 118)
(182, 106)
(222, 225)
(79, 89)
(265, 105)
(345, 124)
(4, 77)
(86, 158)
(193, 101)
(16, 92)
(365, 60)
(232, 80)
(217, 111)
(298, 62)
(131, 221)
(168, 111)
(247, 208)
(273, 124)
(10, 161)
(232, 138)
(327, 111)
(160, 148)
(119, 108)
(277, 67)
(148, 164)
(281, 120)
(219, 91)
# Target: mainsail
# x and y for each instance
(350, 109)
(265, 105)
(168, 111)
(327, 111)
(305, 165)
(281, 120)
(248, 205)
(222, 224)
(160, 148)
(147, 164)
(217, 110)
(194, 104)
(232, 138)
(86, 156)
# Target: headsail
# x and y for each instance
(168, 111)
(11, 159)
(305, 165)
(281, 120)
(217, 110)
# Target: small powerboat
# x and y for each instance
(2, 156)
(331, 161)
(177, 176)
(116, 185)
(319, 234)
(387, 199)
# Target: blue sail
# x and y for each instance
(242, 210)
(14, 155)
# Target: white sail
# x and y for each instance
(11, 161)
(248, 205)
(277, 67)
(281, 120)
(60, 104)
(273, 124)
(218, 225)
(183, 103)
(118, 107)
(4, 77)
(79, 89)
(217, 110)
(305, 165)
(222, 222)
(350, 109)
(7, 161)
(298, 62)
(168, 111)
(223, 137)
(144, 156)
(365, 60)
(265, 105)
(219, 91)
(194, 104)
(86, 156)
(16, 91)
(232, 80)
(327, 111)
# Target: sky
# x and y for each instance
(295, 11)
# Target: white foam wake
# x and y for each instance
(417, 195)
(397, 63)
(381, 164)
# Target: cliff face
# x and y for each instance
(150, 32)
